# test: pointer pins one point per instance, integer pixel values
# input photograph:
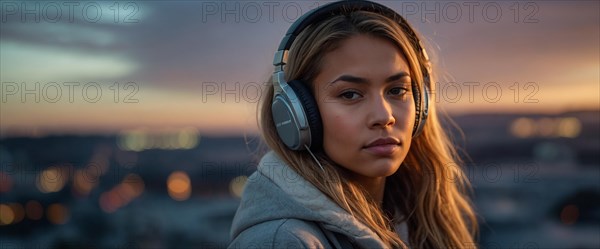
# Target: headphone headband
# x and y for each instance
(321, 13)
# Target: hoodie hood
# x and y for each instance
(275, 191)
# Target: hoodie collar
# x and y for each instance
(276, 191)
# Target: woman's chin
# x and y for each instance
(382, 168)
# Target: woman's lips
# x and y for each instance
(382, 149)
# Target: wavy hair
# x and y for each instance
(428, 192)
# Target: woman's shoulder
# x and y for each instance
(282, 233)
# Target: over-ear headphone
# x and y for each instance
(294, 108)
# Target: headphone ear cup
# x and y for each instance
(311, 109)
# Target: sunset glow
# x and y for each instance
(207, 73)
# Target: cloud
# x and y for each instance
(30, 63)
(175, 47)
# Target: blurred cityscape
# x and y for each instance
(536, 182)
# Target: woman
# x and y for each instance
(353, 162)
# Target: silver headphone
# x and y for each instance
(294, 108)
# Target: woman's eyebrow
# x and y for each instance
(359, 80)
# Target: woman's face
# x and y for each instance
(364, 96)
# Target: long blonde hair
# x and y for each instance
(428, 191)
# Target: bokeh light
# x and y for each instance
(522, 127)
(83, 183)
(169, 139)
(18, 211)
(51, 180)
(236, 186)
(58, 214)
(131, 187)
(5, 182)
(7, 215)
(34, 210)
(110, 202)
(569, 214)
(568, 127)
(179, 186)
(133, 184)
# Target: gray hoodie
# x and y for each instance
(279, 209)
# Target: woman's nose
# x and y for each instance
(380, 113)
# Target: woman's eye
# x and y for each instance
(398, 91)
(350, 95)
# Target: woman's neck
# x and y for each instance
(374, 186)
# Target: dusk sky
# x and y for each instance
(181, 64)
